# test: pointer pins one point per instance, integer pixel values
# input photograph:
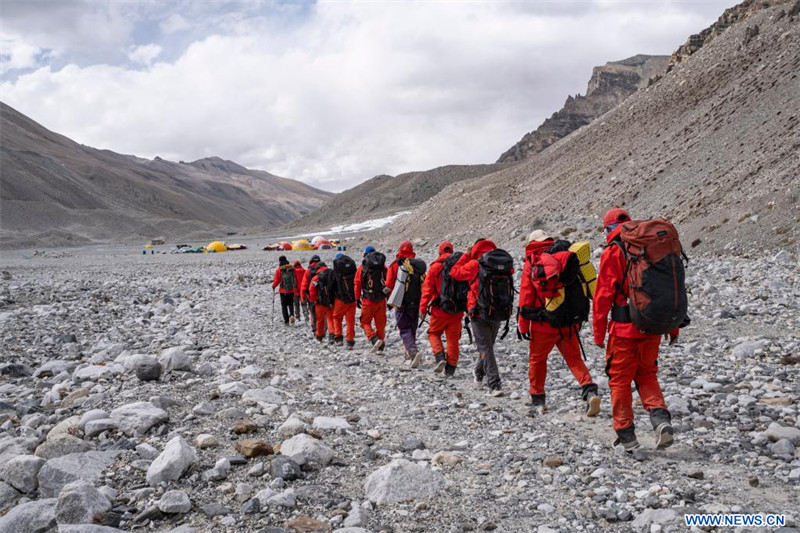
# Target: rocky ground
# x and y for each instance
(156, 392)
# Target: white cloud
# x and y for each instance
(174, 23)
(17, 54)
(353, 89)
(144, 54)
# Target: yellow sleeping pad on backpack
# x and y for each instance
(583, 250)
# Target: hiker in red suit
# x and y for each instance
(631, 356)
(369, 284)
(543, 337)
(287, 285)
(299, 273)
(309, 274)
(441, 322)
(323, 312)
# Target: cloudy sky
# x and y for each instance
(331, 93)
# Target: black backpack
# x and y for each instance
(571, 307)
(373, 277)
(452, 294)
(495, 286)
(288, 281)
(344, 270)
(413, 289)
(325, 287)
(312, 271)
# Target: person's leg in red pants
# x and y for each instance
(539, 348)
(628, 361)
(350, 318)
(450, 326)
(367, 316)
(339, 309)
(380, 320)
(321, 316)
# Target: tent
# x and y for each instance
(323, 245)
(272, 247)
(285, 245)
(302, 244)
(236, 247)
(316, 239)
(216, 246)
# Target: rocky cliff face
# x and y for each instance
(730, 17)
(610, 84)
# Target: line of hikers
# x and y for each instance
(637, 295)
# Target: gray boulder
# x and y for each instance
(95, 427)
(776, 432)
(9, 496)
(654, 516)
(33, 517)
(171, 463)
(61, 444)
(58, 472)
(80, 502)
(135, 419)
(148, 369)
(174, 359)
(285, 468)
(175, 502)
(330, 423)
(303, 448)
(21, 471)
(403, 480)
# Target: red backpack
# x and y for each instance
(655, 275)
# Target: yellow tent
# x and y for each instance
(148, 246)
(302, 244)
(216, 246)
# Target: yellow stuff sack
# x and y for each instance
(583, 250)
(551, 304)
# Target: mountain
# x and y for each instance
(713, 145)
(387, 194)
(608, 86)
(55, 191)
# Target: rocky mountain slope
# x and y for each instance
(608, 86)
(55, 191)
(138, 398)
(385, 194)
(714, 145)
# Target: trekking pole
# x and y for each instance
(469, 330)
(273, 305)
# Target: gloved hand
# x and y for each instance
(358, 304)
(526, 336)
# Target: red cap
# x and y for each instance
(615, 215)
(445, 247)
(481, 247)
(406, 246)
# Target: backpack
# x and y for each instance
(557, 272)
(325, 288)
(452, 293)
(373, 277)
(312, 271)
(655, 274)
(288, 281)
(413, 284)
(344, 270)
(495, 286)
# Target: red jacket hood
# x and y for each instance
(537, 247)
(297, 264)
(481, 247)
(406, 251)
(446, 247)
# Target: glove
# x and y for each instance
(526, 336)
(358, 304)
